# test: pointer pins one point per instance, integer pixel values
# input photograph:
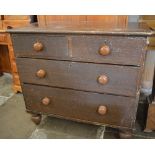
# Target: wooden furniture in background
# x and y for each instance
(149, 73)
(8, 63)
(93, 73)
(115, 20)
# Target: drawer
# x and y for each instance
(120, 80)
(81, 106)
(40, 46)
(109, 49)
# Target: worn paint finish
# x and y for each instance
(72, 62)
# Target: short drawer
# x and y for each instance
(40, 46)
(109, 49)
(81, 106)
(120, 80)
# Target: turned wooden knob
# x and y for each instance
(41, 73)
(104, 50)
(102, 110)
(103, 79)
(38, 46)
(45, 101)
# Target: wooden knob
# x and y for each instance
(41, 73)
(102, 110)
(38, 46)
(103, 79)
(104, 50)
(45, 101)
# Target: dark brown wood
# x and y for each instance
(81, 76)
(124, 50)
(91, 71)
(81, 106)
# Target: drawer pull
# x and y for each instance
(104, 50)
(41, 73)
(45, 101)
(103, 79)
(102, 110)
(38, 46)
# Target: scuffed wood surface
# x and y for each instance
(81, 106)
(80, 76)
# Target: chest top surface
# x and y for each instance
(136, 29)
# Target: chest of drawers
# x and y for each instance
(84, 72)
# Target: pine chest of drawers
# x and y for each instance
(85, 72)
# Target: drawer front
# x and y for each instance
(121, 50)
(120, 80)
(81, 106)
(40, 46)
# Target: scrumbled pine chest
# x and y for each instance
(84, 72)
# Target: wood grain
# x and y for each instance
(115, 20)
(16, 17)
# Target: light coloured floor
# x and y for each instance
(15, 122)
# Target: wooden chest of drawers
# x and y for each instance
(84, 72)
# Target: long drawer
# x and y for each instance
(98, 49)
(81, 106)
(120, 80)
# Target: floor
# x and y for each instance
(16, 123)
